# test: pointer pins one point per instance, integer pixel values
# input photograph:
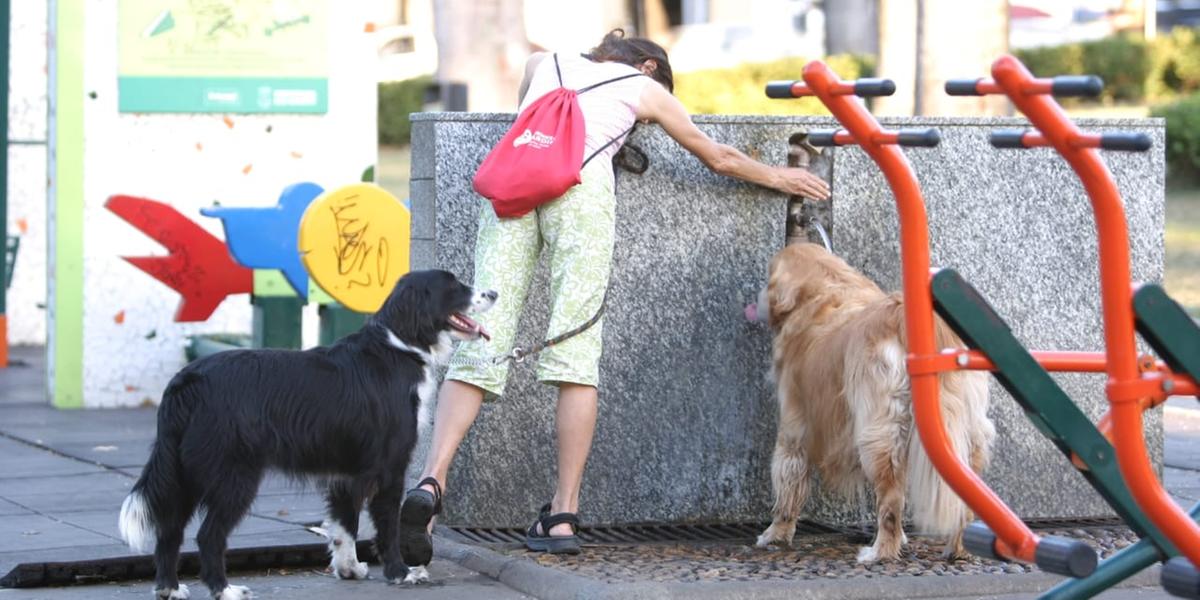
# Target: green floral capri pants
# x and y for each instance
(577, 231)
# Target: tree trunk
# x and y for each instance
(946, 39)
(852, 27)
(482, 43)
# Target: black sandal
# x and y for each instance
(416, 545)
(553, 544)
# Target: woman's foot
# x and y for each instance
(563, 531)
(416, 515)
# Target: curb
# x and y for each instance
(522, 575)
(546, 583)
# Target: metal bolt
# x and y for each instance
(962, 360)
(1168, 385)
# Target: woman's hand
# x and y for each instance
(799, 182)
(659, 106)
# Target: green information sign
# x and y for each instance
(235, 56)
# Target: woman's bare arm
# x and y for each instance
(660, 106)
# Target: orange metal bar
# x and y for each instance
(885, 137)
(1015, 540)
(1033, 140)
(839, 88)
(1081, 140)
(799, 90)
(1078, 362)
(1116, 298)
(1030, 87)
(1182, 386)
(1051, 360)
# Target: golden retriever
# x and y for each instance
(845, 410)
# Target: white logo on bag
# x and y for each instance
(535, 139)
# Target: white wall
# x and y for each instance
(190, 161)
(27, 171)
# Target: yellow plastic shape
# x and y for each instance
(354, 241)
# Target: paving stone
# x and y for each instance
(20, 533)
(18, 460)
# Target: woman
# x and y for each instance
(577, 229)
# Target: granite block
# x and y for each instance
(423, 132)
(421, 254)
(687, 417)
(422, 199)
(683, 388)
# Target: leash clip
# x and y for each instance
(517, 355)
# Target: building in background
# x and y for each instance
(706, 34)
(1054, 22)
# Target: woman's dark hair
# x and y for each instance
(615, 47)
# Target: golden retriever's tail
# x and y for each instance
(936, 509)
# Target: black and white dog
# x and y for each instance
(346, 414)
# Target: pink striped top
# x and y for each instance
(608, 111)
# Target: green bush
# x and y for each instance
(1174, 64)
(398, 99)
(1048, 61)
(1132, 69)
(739, 90)
(1122, 61)
(1183, 136)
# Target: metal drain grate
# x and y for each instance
(643, 533)
(1075, 523)
(865, 532)
(721, 532)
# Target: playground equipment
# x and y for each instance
(1023, 374)
(1134, 383)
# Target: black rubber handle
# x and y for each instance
(1007, 138)
(925, 138)
(962, 87)
(1180, 578)
(1063, 556)
(979, 540)
(869, 87)
(780, 89)
(1129, 142)
(822, 137)
(1076, 85)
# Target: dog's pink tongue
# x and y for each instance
(752, 312)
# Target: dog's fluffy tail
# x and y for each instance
(158, 494)
(963, 396)
(136, 523)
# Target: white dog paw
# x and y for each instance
(349, 569)
(416, 576)
(179, 593)
(867, 554)
(235, 592)
(773, 537)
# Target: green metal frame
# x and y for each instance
(1168, 329)
(337, 322)
(277, 321)
(1057, 418)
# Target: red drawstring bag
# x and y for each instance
(540, 157)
